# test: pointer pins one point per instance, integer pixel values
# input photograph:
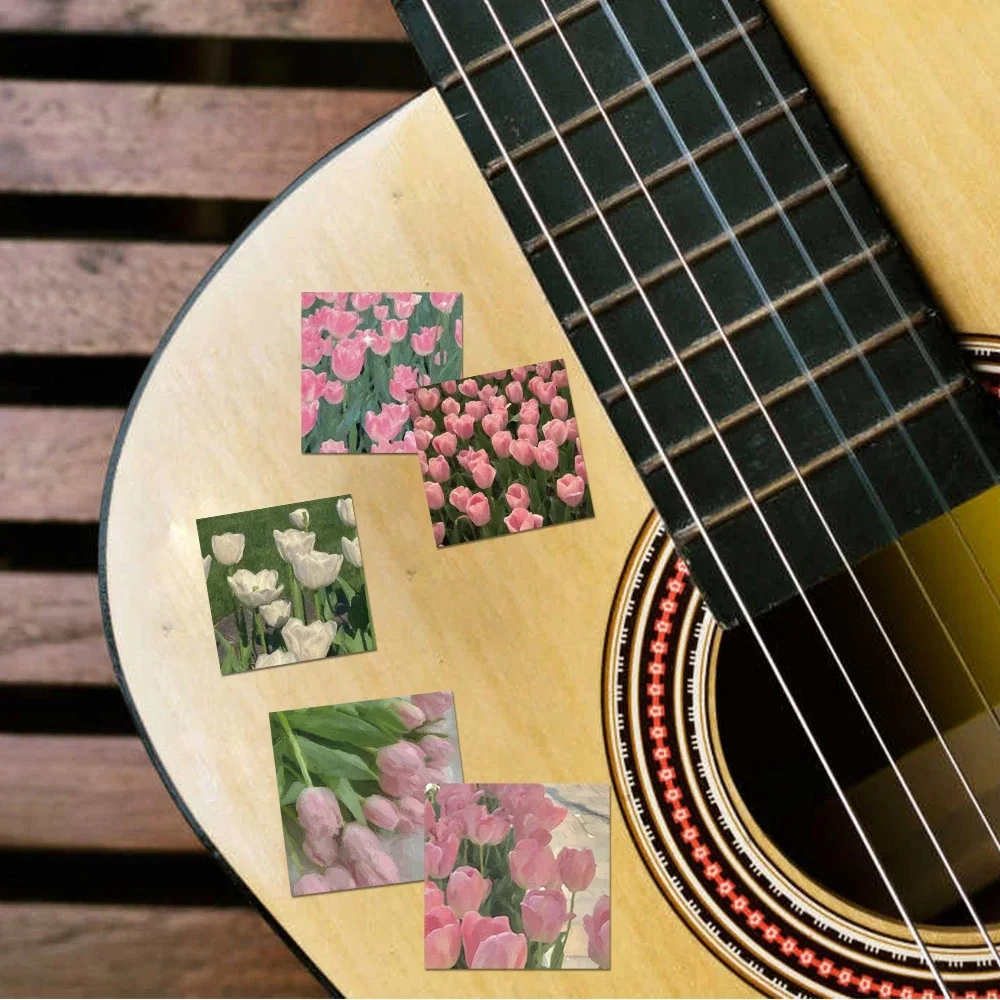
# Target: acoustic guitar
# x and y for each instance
(778, 636)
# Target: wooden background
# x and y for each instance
(136, 141)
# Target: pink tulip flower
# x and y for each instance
(544, 914)
(400, 758)
(547, 455)
(529, 433)
(523, 452)
(358, 843)
(531, 865)
(439, 469)
(340, 323)
(408, 713)
(381, 312)
(571, 489)
(452, 406)
(312, 385)
(483, 474)
(310, 413)
(580, 467)
(337, 877)
(347, 359)
(534, 382)
(404, 303)
(433, 897)
(478, 507)
(433, 704)
(423, 423)
(423, 342)
(546, 392)
(571, 431)
(309, 884)
(454, 798)
(559, 407)
(450, 387)
(529, 413)
(506, 950)
(521, 519)
(319, 812)
(445, 444)
(544, 368)
(321, 851)
(411, 814)
(465, 427)
(469, 387)
(414, 407)
(476, 409)
(379, 869)
(576, 868)
(434, 494)
(449, 422)
(484, 827)
(555, 431)
(459, 497)
(399, 786)
(428, 398)
(476, 930)
(439, 531)
(514, 392)
(560, 377)
(404, 378)
(395, 330)
(598, 928)
(385, 425)
(423, 440)
(445, 301)
(469, 458)
(497, 402)
(458, 332)
(501, 442)
(440, 855)
(365, 300)
(334, 392)
(520, 374)
(466, 890)
(437, 750)
(518, 496)
(313, 346)
(442, 938)
(494, 422)
(331, 447)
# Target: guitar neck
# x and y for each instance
(775, 247)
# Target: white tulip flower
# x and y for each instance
(276, 613)
(345, 510)
(228, 548)
(352, 550)
(292, 543)
(275, 659)
(300, 519)
(317, 569)
(206, 565)
(254, 589)
(308, 642)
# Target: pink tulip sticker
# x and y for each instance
(362, 349)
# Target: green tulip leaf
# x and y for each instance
(292, 793)
(329, 763)
(350, 799)
(332, 723)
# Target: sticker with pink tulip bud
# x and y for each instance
(351, 785)
(517, 877)
(362, 352)
(500, 453)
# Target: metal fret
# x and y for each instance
(686, 535)
(835, 364)
(501, 52)
(669, 171)
(751, 319)
(706, 249)
(623, 96)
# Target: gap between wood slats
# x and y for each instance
(86, 793)
(51, 630)
(207, 142)
(124, 295)
(298, 19)
(101, 951)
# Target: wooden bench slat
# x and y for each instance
(124, 294)
(51, 631)
(194, 141)
(85, 793)
(53, 460)
(370, 19)
(100, 951)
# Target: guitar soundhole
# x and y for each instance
(783, 789)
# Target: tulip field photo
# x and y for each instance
(517, 877)
(351, 785)
(286, 584)
(500, 453)
(361, 354)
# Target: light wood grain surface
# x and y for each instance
(515, 625)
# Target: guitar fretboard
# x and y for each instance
(922, 433)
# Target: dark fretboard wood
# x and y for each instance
(936, 421)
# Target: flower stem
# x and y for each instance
(318, 604)
(295, 748)
(259, 623)
(482, 867)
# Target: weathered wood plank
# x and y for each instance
(283, 19)
(135, 951)
(211, 142)
(52, 461)
(93, 296)
(85, 793)
(50, 631)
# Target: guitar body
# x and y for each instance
(535, 635)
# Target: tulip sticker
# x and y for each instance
(500, 453)
(517, 877)
(362, 352)
(286, 584)
(351, 784)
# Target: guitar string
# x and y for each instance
(924, 707)
(630, 51)
(668, 465)
(897, 305)
(845, 327)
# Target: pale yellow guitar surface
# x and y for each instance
(514, 626)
